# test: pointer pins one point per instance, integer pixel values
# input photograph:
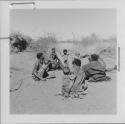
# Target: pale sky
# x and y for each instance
(62, 23)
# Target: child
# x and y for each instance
(65, 57)
(54, 60)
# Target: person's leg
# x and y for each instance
(45, 74)
(35, 77)
(42, 74)
(111, 69)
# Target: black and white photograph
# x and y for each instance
(63, 61)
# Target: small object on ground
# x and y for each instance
(78, 94)
(72, 95)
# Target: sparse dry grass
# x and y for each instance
(40, 97)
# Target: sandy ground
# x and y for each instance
(41, 97)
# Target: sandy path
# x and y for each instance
(40, 97)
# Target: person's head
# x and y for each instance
(40, 56)
(65, 51)
(94, 57)
(77, 54)
(66, 70)
(76, 63)
(53, 50)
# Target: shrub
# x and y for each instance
(19, 42)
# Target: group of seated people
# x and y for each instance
(73, 80)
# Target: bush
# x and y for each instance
(19, 42)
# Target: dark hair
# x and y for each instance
(53, 49)
(39, 55)
(65, 50)
(95, 57)
(53, 56)
(77, 62)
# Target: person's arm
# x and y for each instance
(111, 69)
(84, 56)
(35, 68)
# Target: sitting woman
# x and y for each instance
(40, 68)
(95, 70)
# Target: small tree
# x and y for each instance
(19, 41)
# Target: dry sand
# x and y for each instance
(40, 97)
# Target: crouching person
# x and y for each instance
(74, 83)
(79, 85)
(95, 70)
(40, 69)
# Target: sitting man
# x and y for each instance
(95, 70)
